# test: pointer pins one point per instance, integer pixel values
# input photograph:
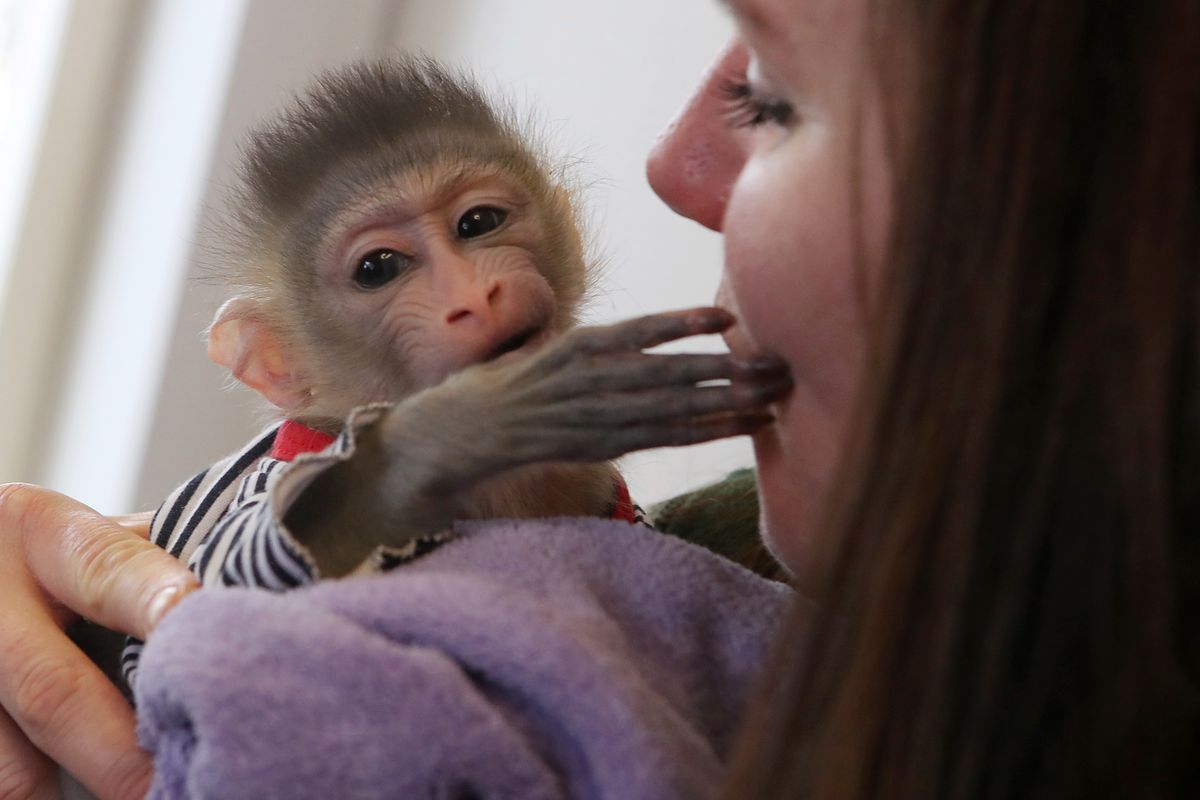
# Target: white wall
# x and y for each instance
(142, 409)
(147, 217)
(66, 75)
(282, 43)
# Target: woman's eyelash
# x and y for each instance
(745, 109)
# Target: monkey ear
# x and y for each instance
(240, 340)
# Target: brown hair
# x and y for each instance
(1014, 608)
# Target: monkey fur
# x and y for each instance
(397, 239)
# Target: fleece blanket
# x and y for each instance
(534, 659)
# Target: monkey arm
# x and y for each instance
(591, 395)
(380, 493)
(399, 472)
(225, 525)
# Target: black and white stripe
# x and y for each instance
(225, 523)
(196, 506)
(221, 524)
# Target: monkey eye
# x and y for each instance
(480, 220)
(377, 268)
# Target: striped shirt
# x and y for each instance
(226, 522)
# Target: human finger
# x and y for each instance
(139, 523)
(92, 565)
(65, 707)
(61, 557)
(24, 770)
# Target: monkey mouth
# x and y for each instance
(514, 342)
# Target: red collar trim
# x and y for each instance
(624, 510)
(294, 438)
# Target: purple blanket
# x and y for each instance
(565, 658)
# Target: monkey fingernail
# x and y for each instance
(713, 320)
(777, 389)
(752, 422)
(767, 365)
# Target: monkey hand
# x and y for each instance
(589, 395)
(592, 394)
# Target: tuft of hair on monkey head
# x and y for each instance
(391, 226)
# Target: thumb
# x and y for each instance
(96, 567)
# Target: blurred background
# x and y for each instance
(119, 124)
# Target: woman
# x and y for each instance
(997, 413)
(1010, 607)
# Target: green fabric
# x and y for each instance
(722, 517)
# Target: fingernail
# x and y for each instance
(162, 602)
(779, 389)
(716, 317)
(759, 420)
(767, 364)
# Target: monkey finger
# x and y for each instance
(625, 372)
(674, 404)
(719, 426)
(637, 371)
(24, 770)
(573, 443)
(641, 333)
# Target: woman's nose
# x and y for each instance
(696, 160)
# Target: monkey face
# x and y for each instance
(389, 228)
(435, 271)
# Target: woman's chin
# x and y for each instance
(788, 508)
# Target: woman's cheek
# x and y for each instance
(772, 248)
(751, 253)
(789, 275)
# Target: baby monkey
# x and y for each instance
(399, 242)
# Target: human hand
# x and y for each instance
(138, 523)
(58, 560)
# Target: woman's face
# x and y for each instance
(782, 148)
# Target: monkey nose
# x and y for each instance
(478, 302)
